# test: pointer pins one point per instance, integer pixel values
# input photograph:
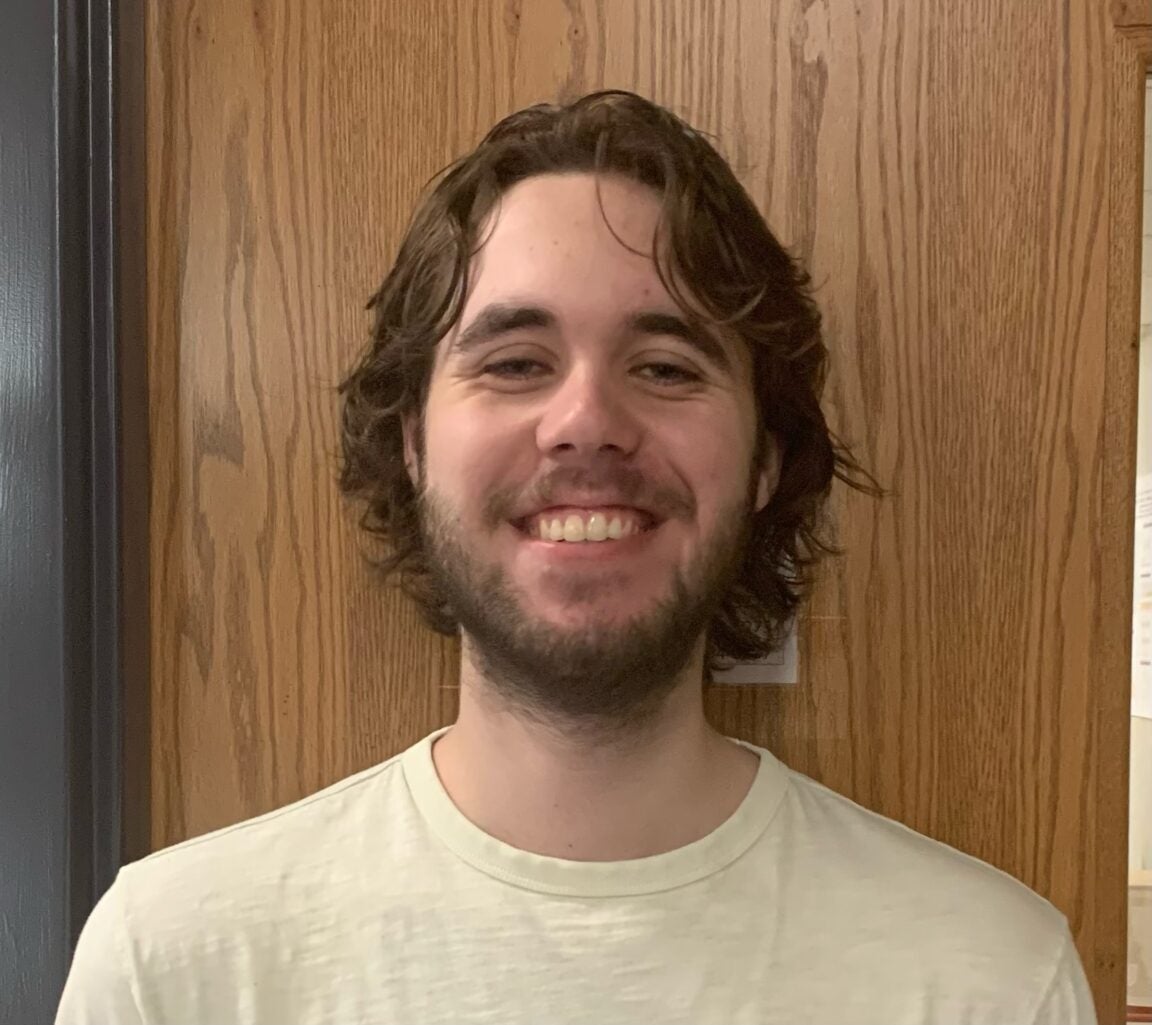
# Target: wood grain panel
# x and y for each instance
(1132, 13)
(266, 626)
(946, 172)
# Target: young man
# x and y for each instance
(589, 430)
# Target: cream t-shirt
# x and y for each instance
(376, 902)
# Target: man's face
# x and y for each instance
(573, 400)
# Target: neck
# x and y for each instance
(586, 797)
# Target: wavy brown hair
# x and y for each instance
(719, 261)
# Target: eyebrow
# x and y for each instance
(503, 318)
(499, 319)
(675, 326)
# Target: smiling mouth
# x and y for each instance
(591, 526)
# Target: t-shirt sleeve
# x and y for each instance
(1068, 998)
(101, 988)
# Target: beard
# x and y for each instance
(598, 680)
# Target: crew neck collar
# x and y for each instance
(560, 876)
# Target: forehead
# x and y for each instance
(579, 232)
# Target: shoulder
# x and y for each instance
(247, 871)
(953, 919)
(182, 932)
(331, 805)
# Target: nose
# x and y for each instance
(587, 414)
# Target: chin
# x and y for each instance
(587, 619)
(589, 601)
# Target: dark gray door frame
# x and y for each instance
(73, 475)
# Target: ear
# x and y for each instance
(410, 427)
(769, 476)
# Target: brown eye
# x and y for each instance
(513, 369)
(669, 373)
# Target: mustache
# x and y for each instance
(625, 481)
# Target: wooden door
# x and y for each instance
(946, 171)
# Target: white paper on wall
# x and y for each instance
(1142, 601)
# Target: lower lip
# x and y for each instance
(585, 551)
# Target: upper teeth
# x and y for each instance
(592, 526)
